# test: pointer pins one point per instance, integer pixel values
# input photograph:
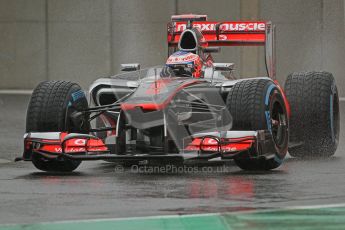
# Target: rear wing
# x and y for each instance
(241, 33)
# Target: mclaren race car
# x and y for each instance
(191, 109)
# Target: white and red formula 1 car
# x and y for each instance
(190, 109)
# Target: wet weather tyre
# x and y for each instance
(314, 122)
(49, 110)
(254, 105)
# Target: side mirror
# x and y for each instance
(214, 49)
(130, 67)
(223, 66)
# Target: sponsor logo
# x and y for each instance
(69, 150)
(58, 149)
(185, 58)
(229, 149)
(210, 141)
(227, 26)
(79, 142)
(223, 37)
(223, 148)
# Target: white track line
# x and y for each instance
(341, 98)
(16, 92)
(315, 206)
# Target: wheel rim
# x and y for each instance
(335, 117)
(279, 124)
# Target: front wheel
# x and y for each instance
(259, 105)
(49, 109)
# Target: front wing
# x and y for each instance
(205, 146)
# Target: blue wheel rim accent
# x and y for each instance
(270, 88)
(78, 95)
(267, 112)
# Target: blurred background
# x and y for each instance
(82, 40)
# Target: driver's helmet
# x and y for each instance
(185, 64)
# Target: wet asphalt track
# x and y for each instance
(101, 190)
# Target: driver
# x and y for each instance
(184, 64)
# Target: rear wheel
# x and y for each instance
(50, 106)
(259, 105)
(314, 123)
